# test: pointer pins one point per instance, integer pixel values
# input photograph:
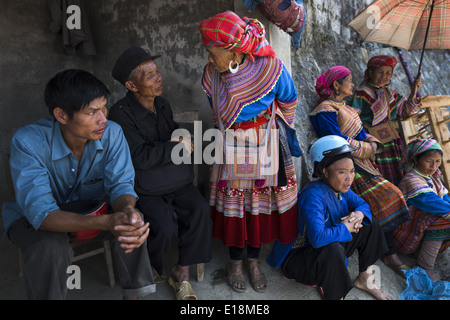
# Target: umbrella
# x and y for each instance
(407, 24)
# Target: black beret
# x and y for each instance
(129, 60)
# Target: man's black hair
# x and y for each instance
(72, 90)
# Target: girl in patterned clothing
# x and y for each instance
(379, 105)
(428, 232)
(333, 117)
(249, 89)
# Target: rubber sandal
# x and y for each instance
(257, 280)
(234, 280)
(183, 290)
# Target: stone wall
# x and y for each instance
(328, 41)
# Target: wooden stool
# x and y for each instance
(105, 248)
(431, 122)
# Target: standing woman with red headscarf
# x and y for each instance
(249, 89)
(379, 105)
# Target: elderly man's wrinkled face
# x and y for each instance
(146, 80)
(220, 58)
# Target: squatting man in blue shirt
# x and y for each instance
(75, 155)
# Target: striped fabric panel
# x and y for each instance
(428, 254)
(422, 225)
(253, 81)
(347, 118)
(389, 161)
(286, 110)
(324, 107)
(413, 184)
(383, 101)
(349, 121)
(350, 125)
(386, 201)
(438, 230)
(231, 201)
(379, 109)
(255, 229)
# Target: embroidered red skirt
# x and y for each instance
(255, 216)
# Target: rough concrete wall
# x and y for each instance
(28, 58)
(169, 28)
(328, 41)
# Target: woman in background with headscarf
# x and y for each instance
(333, 117)
(248, 87)
(379, 105)
(429, 229)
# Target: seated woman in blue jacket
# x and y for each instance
(333, 222)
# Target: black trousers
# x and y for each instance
(326, 268)
(389, 236)
(192, 226)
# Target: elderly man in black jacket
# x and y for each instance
(163, 187)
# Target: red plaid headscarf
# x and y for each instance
(380, 61)
(325, 81)
(227, 30)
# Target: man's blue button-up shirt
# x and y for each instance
(46, 174)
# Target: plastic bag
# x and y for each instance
(421, 287)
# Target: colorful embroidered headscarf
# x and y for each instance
(415, 148)
(325, 81)
(379, 61)
(227, 30)
(382, 60)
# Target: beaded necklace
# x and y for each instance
(341, 102)
(377, 86)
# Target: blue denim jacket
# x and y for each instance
(46, 174)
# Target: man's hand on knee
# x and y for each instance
(129, 230)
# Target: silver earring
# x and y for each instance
(235, 69)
